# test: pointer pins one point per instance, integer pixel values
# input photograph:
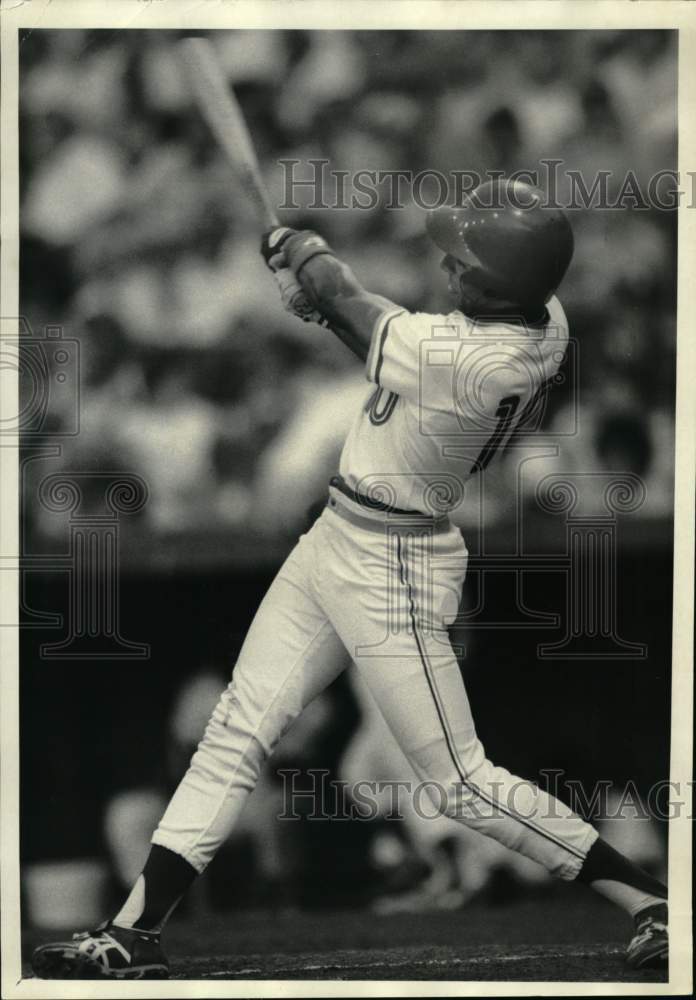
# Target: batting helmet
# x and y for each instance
(514, 247)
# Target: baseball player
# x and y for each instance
(380, 573)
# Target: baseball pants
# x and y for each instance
(357, 582)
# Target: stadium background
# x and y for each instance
(136, 242)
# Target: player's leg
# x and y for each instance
(290, 654)
(435, 844)
(468, 787)
(406, 660)
(405, 657)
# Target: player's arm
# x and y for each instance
(351, 311)
(386, 336)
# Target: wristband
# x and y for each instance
(302, 247)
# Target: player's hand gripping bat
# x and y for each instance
(218, 105)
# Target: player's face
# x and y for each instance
(454, 269)
(467, 296)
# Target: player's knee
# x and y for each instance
(453, 800)
(228, 744)
(470, 794)
(432, 799)
(489, 792)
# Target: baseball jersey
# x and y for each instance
(447, 393)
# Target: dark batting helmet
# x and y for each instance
(513, 247)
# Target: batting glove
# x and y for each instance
(292, 296)
(272, 246)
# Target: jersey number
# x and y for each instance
(378, 408)
(505, 414)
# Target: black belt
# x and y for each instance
(394, 517)
(371, 504)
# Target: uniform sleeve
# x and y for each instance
(394, 359)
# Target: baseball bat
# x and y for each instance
(218, 105)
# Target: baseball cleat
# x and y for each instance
(108, 952)
(649, 947)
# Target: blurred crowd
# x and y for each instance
(136, 240)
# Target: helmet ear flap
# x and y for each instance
(517, 248)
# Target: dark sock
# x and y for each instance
(656, 912)
(620, 880)
(164, 880)
(603, 862)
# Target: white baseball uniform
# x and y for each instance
(379, 575)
